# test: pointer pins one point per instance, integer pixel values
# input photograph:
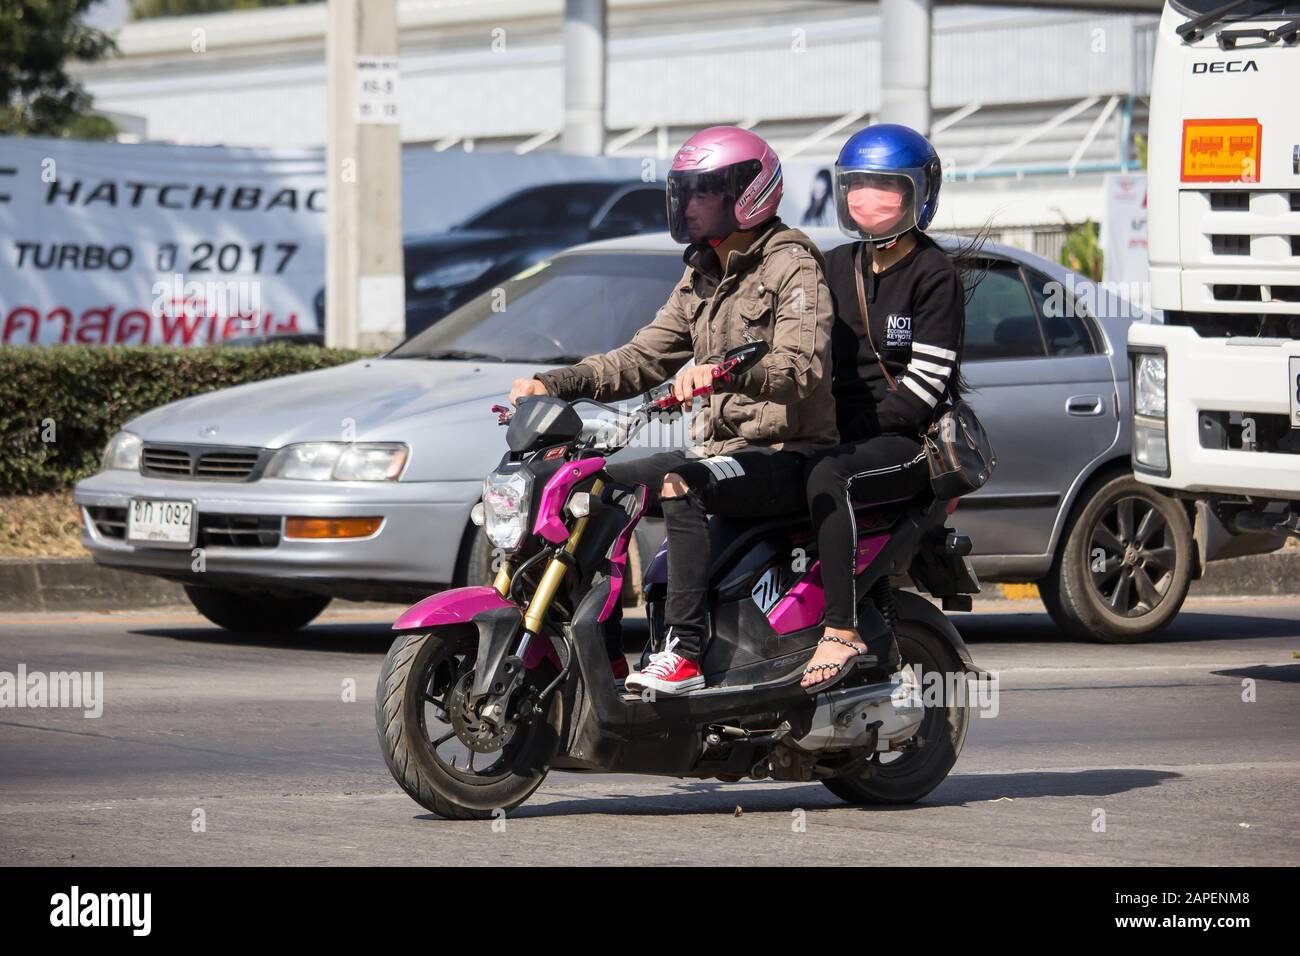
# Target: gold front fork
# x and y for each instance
(502, 581)
(553, 576)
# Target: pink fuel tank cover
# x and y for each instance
(550, 520)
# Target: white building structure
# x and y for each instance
(1030, 106)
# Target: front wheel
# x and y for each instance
(255, 612)
(910, 774)
(1125, 566)
(436, 744)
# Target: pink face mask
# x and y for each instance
(875, 210)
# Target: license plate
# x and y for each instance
(1293, 386)
(160, 521)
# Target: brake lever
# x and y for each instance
(721, 373)
(504, 413)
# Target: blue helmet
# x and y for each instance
(887, 180)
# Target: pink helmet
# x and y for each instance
(723, 179)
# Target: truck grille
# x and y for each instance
(1267, 432)
(206, 462)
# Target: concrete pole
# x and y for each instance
(584, 77)
(364, 287)
(905, 31)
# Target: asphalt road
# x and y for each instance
(257, 735)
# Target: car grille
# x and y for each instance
(206, 462)
(109, 522)
(221, 531)
(239, 531)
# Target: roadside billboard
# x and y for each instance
(162, 245)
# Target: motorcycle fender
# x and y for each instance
(914, 606)
(494, 668)
(458, 606)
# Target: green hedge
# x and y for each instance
(83, 394)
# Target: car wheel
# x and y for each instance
(1125, 566)
(476, 560)
(255, 612)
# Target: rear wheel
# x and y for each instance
(255, 612)
(908, 775)
(437, 746)
(1124, 568)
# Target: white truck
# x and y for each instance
(1216, 387)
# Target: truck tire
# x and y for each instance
(1124, 566)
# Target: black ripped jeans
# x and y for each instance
(749, 483)
(872, 471)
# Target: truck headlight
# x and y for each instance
(505, 508)
(339, 461)
(122, 453)
(1149, 385)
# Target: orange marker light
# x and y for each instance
(318, 528)
(1221, 150)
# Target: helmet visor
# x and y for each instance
(875, 206)
(702, 205)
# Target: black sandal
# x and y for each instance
(842, 669)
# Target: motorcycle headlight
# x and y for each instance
(505, 508)
(122, 453)
(1149, 385)
(339, 461)
(451, 275)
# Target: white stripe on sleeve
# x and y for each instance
(941, 370)
(921, 392)
(939, 383)
(934, 350)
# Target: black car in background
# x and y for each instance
(445, 270)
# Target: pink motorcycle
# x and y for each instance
(486, 689)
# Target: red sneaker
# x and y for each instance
(667, 673)
(619, 667)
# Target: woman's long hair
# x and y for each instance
(972, 267)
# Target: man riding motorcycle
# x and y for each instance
(748, 277)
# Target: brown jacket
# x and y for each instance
(775, 291)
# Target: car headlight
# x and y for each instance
(1149, 385)
(451, 275)
(122, 452)
(505, 508)
(339, 461)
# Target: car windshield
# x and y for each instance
(574, 306)
(554, 206)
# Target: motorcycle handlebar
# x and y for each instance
(735, 363)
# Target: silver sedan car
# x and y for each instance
(267, 500)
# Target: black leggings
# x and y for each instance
(751, 482)
(875, 470)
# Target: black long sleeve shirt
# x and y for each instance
(917, 310)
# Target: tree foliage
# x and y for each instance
(147, 9)
(37, 97)
(1082, 250)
